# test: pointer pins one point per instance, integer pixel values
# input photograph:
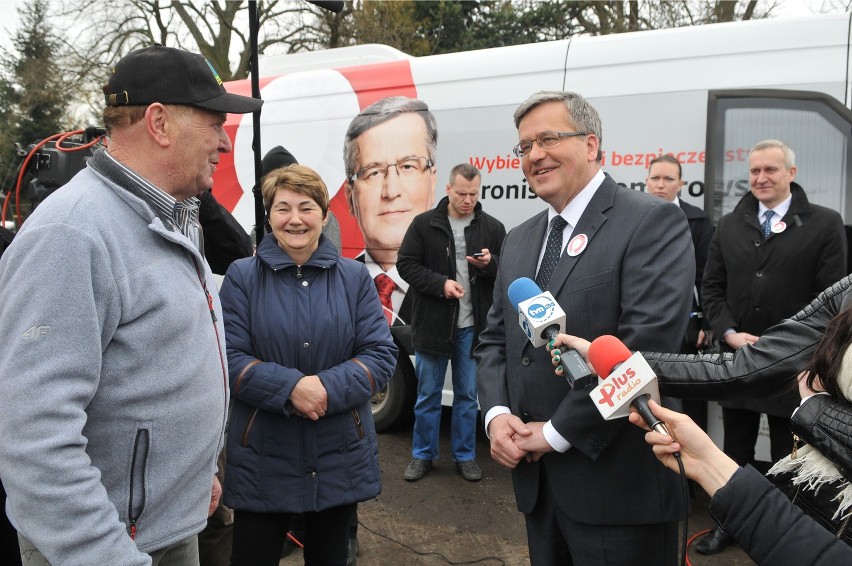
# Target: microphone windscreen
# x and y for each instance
(522, 289)
(606, 352)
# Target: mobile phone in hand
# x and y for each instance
(478, 254)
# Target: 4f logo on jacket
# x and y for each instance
(35, 332)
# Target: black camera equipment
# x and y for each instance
(54, 163)
(47, 165)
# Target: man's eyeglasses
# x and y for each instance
(407, 168)
(544, 140)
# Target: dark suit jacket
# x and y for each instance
(633, 280)
(750, 285)
(701, 229)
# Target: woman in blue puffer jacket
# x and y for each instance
(308, 345)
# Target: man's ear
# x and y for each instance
(349, 192)
(158, 124)
(593, 145)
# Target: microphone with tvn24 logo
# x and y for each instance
(628, 381)
(541, 319)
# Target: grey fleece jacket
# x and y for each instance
(113, 374)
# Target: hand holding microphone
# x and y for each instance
(702, 459)
(555, 347)
(542, 319)
(628, 381)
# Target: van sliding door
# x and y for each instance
(815, 125)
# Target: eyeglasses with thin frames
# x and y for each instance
(406, 169)
(544, 140)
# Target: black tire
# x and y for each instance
(393, 406)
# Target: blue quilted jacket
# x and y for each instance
(283, 322)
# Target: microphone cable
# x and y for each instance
(684, 482)
(432, 553)
(361, 524)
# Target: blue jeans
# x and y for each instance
(427, 411)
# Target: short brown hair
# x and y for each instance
(466, 170)
(123, 116)
(296, 178)
(667, 158)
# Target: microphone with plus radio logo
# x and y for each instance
(628, 381)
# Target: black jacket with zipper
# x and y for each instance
(427, 258)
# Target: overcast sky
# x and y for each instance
(786, 8)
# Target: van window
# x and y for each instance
(816, 126)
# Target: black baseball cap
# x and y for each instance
(172, 76)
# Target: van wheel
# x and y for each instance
(394, 405)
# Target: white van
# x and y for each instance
(705, 94)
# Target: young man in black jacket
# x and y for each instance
(449, 258)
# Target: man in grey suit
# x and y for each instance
(622, 264)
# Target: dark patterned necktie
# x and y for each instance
(385, 287)
(767, 223)
(552, 251)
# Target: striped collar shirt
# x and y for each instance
(178, 216)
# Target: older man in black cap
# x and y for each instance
(113, 361)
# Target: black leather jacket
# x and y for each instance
(767, 366)
(826, 424)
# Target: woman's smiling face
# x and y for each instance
(297, 222)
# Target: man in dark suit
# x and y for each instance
(665, 179)
(591, 491)
(760, 271)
